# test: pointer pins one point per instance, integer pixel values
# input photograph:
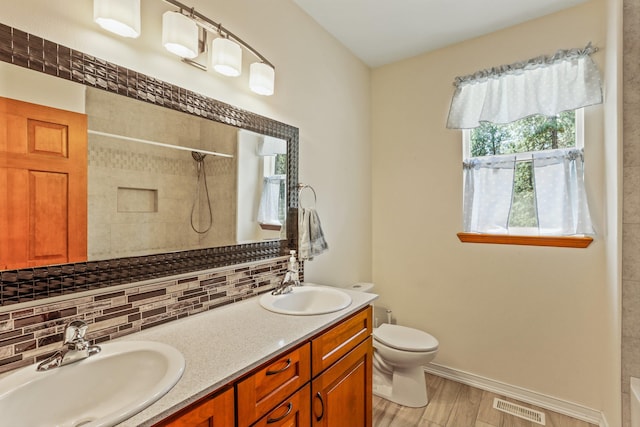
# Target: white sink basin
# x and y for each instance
(307, 300)
(102, 390)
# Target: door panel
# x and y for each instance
(48, 207)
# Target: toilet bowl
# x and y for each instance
(399, 356)
(398, 359)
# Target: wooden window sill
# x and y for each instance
(271, 227)
(507, 239)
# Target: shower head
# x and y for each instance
(197, 156)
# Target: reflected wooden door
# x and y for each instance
(43, 185)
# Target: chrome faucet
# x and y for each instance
(74, 348)
(291, 279)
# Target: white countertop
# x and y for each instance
(221, 345)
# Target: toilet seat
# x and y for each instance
(404, 338)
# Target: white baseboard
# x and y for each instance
(534, 398)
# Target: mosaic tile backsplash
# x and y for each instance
(32, 334)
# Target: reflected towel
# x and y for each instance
(311, 238)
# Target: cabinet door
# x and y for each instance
(267, 388)
(333, 344)
(217, 411)
(342, 395)
(293, 412)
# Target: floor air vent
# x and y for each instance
(519, 411)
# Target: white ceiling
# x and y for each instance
(384, 31)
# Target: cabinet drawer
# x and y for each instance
(294, 412)
(266, 388)
(327, 348)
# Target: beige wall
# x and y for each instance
(538, 318)
(321, 88)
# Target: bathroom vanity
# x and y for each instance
(246, 366)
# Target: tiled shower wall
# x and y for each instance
(28, 335)
(631, 202)
(148, 191)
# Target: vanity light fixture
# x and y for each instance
(184, 33)
(225, 52)
(121, 17)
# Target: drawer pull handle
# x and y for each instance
(275, 420)
(288, 363)
(319, 417)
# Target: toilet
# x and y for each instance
(399, 356)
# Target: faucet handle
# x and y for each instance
(75, 330)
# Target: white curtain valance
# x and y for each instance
(545, 85)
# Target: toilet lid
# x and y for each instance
(403, 338)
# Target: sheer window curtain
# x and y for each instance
(560, 194)
(268, 211)
(488, 192)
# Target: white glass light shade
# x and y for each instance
(261, 78)
(121, 17)
(226, 57)
(180, 34)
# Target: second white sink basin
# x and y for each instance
(101, 390)
(307, 300)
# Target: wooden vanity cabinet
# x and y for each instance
(341, 360)
(215, 411)
(326, 381)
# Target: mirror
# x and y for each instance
(161, 180)
(232, 130)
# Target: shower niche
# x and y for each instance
(137, 200)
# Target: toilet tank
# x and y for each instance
(381, 314)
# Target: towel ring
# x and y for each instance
(302, 187)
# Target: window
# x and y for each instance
(276, 167)
(524, 162)
(272, 210)
(522, 139)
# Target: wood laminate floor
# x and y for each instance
(452, 404)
